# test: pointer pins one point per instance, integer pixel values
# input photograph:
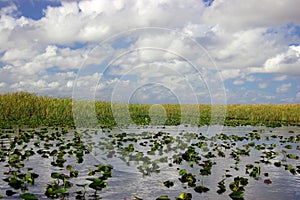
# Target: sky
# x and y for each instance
(163, 51)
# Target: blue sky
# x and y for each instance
(196, 51)
(31, 8)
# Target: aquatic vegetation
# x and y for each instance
(221, 186)
(184, 196)
(195, 157)
(200, 154)
(24, 144)
(163, 198)
(168, 184)
(238, 187)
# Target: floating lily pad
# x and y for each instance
(184, 196)
(221, 186)
(28, 196)
(97, 184)
(277, 164)
(15, 183)
(168, 184)
(237, 195)
(70, 167)
(201, 189)
(10, 192)
(163, 198)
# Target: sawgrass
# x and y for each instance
(25, 109)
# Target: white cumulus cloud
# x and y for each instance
(287, 62)
(240, 39)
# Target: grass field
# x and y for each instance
(25, 109)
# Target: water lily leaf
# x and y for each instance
(68, 184)
(292, 156)
(97, 184)
(221, 186)
(201, 189)
(15, 183)
(74, 174)
(55, 175)
(163, 198)
(288, 146)
(60, 191)
(184, 196)
(293, 171)
(288, 167)
(19, 165)
(188, 178)
(70, 167)
(237, 195)
(221, 189)
(234, 186)
(277, 164)
(168, 184)
(182, 172)
(249, 166)
(28, 196)
(137, 198)
(82, 185)
(243, 181)
(9, 192)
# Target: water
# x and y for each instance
(127, 181)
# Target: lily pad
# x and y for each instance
(201, 189)
(168, 184)
(163, 198)
(9, 193)
(184, 196)
(28, 196)
(237, 195)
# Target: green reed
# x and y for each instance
(25, 109)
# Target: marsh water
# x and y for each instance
(140, 170)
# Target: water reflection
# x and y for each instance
(127, 180)
(284, 184)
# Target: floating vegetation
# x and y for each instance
(168, 184)
(184, 196)
(21, 145)
(238, 187)
(196, 158)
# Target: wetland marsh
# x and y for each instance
(43, 155)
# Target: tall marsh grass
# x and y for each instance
(25, 109)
